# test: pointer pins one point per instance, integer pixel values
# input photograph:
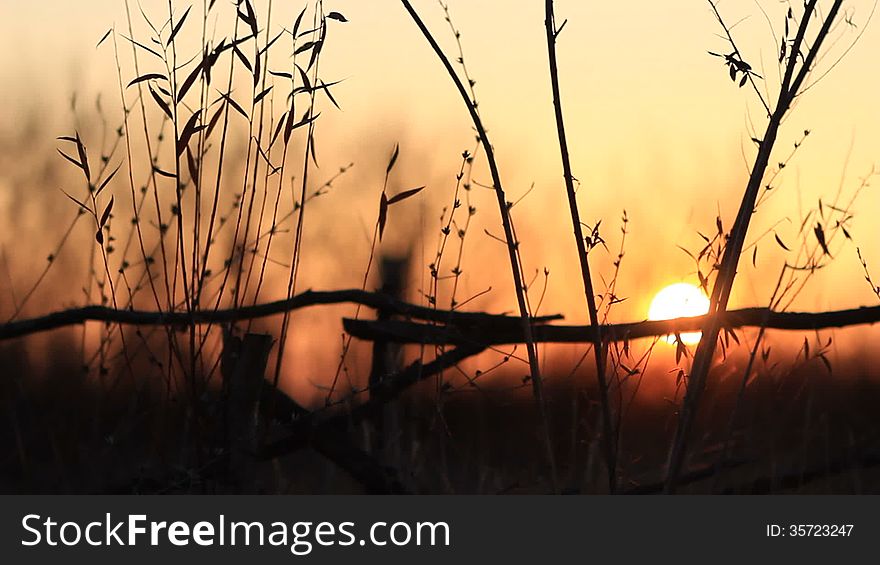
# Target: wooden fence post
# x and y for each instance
(243, 367)
(386, 355)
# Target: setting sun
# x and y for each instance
(677, 301)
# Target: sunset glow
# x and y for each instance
(413, 246)
(678, 301)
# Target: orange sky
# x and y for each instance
(655, 127)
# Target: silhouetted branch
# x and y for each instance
(460, 327)
(363, 467)
(374, 300)
(727, 270)
(316, 425)
(488, 334)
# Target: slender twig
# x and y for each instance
(738, 54)
(512, 244)
(609, 434)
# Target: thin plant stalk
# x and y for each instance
(609, 434)
(512, 244)
(792, 81)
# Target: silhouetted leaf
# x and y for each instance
(261, 95)
(278, 129)
(188, 130)
(315, 52)
(83, 157)
(107, 180)
(163, 90)
(142, 46)
(69, 158)
(245, 18)
(298, 22)
(304, 47)
(288, 128)
(732, 334)
(214, 119)
(689, 254)
(680, 349)
(257, 70)
(304, 121)
(106, 214)
(393, 159)
(779, 241)
(193, 167)
(326, 88)
(189, 80)
(177, 27)
(270, 43)
(235, 105)
(305, 78)
(820, 237)
(806, 220)
(162, 104)
(163, 173)
(252, 17)
(336, 16)
(243, 59)
(306, 32)
(383, 214)
(147, 76)
(78, 203)
(826, 362)
(404, 195)
(103, 37)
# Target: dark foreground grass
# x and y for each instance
(804, 430)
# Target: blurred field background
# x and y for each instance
(656, 128)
